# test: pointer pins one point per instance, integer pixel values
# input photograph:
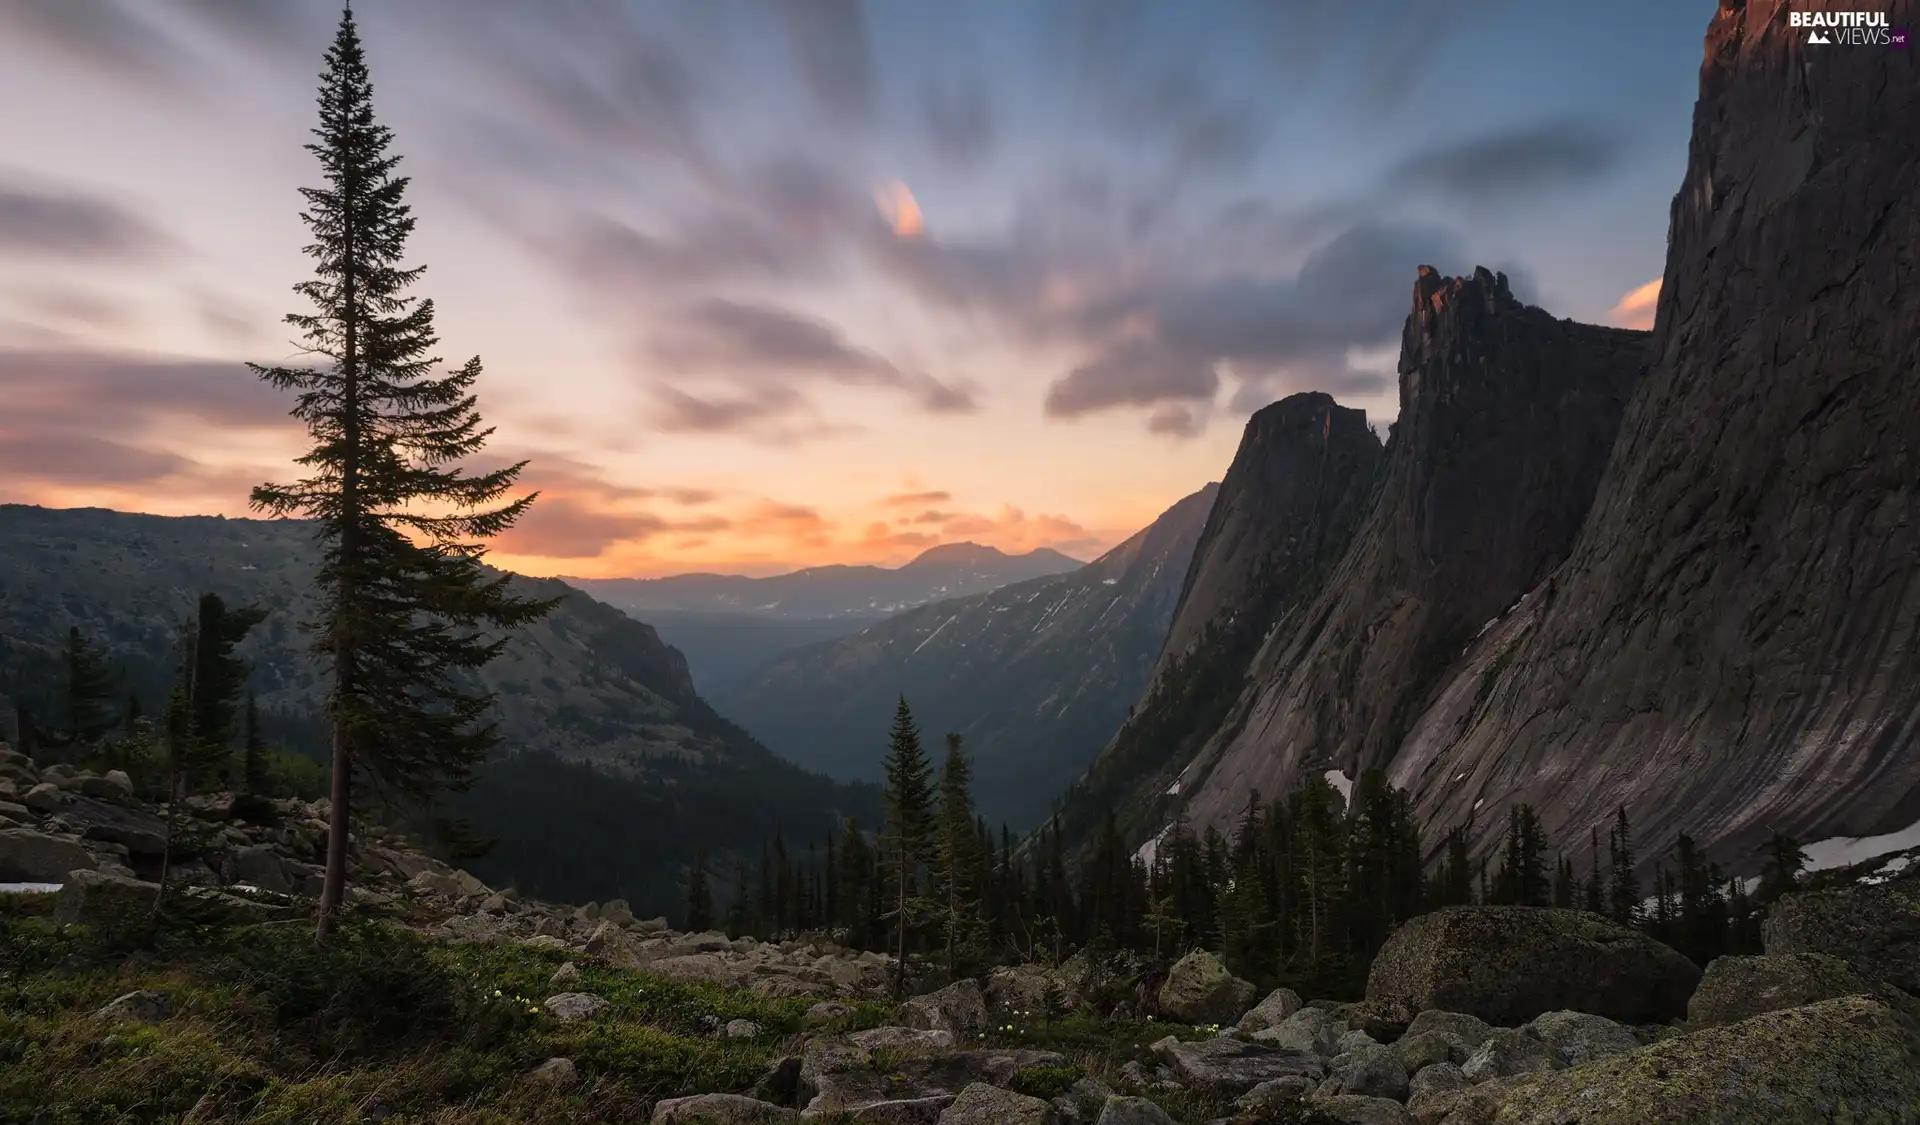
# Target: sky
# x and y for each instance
(763, 284)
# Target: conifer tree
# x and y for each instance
(1594, 886)
(86, 689)
(909, 802)
(406, 607)
(699, 895)
(214, 685)
(1781, 861)
(958, 863)
(1623, 892)
(253, 751)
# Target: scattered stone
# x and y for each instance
(1508, 964)
(781, 1082)
(1270, 1012)
(46, 797)
(1309, 1029)
(1231, 1067)
(1200, 990)
(616, 912)
(565, 974)
(1507, 1053)
(102, 902)
(891, 1038)
(960, 1008)
(826, 1012)
(546, 941)
(569, 1007)
(1353, 1109)
(1274, 1092)
(144, 1006)
(1439, 1078)
(1737, 988)
(721, 1109)
(559, 1073)
(1134, 1111)
(982, 1104)
(448, 884)
(1576, 1037)
(12, 813)
(647, 926)
(742, 1029)
(1370, 1071)
(911, 1089)
(1354, 1040)
(1083, 1101)
(494, 904)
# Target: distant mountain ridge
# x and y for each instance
(1035, 675)
(586, 685)
(951, 570)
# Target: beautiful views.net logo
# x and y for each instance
(1863, 29)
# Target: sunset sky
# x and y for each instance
(762, 284)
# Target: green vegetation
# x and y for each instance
(268, 1026)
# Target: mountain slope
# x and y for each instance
(1036, 676)
(1506, 416)
(1731, 647)
(952, 570)
(587, 684)
(1286, 510)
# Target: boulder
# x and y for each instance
(1575, 1038)
(826, 1012)
(1083, 1101)
(1270, 1095)
(1429, 1048)
(1200, 990)
(27, 856)
(1507, 1053)
(96, 819)
(11, 813)
(565, 974)
(116, 786)
(899, 1039)
(1310, 1029)
(258, 866)
(1370, 1071)
(1736, 988)
(616, 912)
(107, 904)
(1133, 1111)
(1873, 927)
(1470, 1031)
(1354, 1109)
(721, 1109)
(1428, 1081)
(983, 1104)
(1270, 1012)
(558, 1073)
(144, 1006)
(741, 1029)
(1231, 1067)
(1850, 1059)
(959, 1007)
(915, 1089)
(1017, 988)
(1508, 964)
(571, 1007)
(780, 1082)
(46, 797)
(448, 884)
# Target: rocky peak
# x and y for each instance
(1507, 415)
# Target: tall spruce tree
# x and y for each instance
(254, 777)
(215, 683)
(86, 690)
(407, 612)
(958, 858)
(699, 895)
(1781, 861)
(909, 803)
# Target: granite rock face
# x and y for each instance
(1874, 928)
(1729, 648)
(1287, 508)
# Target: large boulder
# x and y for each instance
(258, 866)
(95, 819)
(116, 786)
(908, 1090)
(1133, 1111)
(45, 797)
(1875, 928)
(1508, 964)
(108, 904)
(1574, 1038)
(1314, 1030)
(1231, 1067)
(27, 856)
(1850, 1059)
(1371, 1071)
(1200, 990)
(1737, 988)
(1270, 1012)
(960, 1008)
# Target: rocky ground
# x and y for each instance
(1473, 1015)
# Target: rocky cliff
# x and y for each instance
(1286, 510)
(1035, 676)
(1730, 647)
(1506, 417)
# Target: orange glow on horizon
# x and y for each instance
(902, 210)
(1637, 308)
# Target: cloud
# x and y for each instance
(767, 349)
(130, 393)
(1514, 165)
(83, 459)
(610, 255)
(1175, 421)
(69, 225)
(960, 120)
(562, 527)
(831, 49)
(915, 499)
(1637, 308)
(106, 34)
(1133, 373)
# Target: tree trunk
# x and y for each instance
(333, 889)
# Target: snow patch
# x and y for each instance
(1149, 849)
(1339, 780)
(1477, 804)
(1173, 790)
(1891, 868)
(1459, 777)
(28, 888)
(1483, 629)
(1843, 851)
